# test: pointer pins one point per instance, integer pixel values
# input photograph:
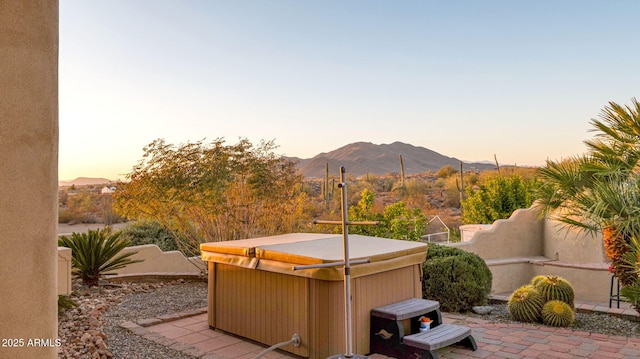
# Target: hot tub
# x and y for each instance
(254, 292)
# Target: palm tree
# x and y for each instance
(600, 190)
(631, 261)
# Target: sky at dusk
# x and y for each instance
(467, 79)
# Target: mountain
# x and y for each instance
(84, 181)
(359, 158)
(362, 158)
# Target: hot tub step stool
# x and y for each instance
(387, 331)
(442, 336)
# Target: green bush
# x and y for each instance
(95, 253)
(457, 279)
(497, 198)
(149, 232)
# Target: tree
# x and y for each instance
(214, 192)
(600, 190)
(496, 198)
(398, 220)
(403, 222)
(87, 206)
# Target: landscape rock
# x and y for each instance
(482, 309)
(80, 329)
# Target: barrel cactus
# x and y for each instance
(537, 279)
(557, 313)
(525, 304)
(556, 288)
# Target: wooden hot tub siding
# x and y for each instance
(270, 307)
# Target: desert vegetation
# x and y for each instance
(206, 192)
(599, 191)
(86, 204)
(179, 196)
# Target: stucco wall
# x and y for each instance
(590, 282)
(518, 248)
(157, 261)
(29, 177)
(64, 271)
(572, 245)
(509, 274)
(518, 236)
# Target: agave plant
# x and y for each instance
(95, 253)
(600, 191)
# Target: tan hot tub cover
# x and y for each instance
(282, 253)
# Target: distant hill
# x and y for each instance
(84, 181)
(359, 158)
(362, 158)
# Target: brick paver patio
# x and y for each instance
(190, 333)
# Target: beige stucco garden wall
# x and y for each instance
(29, 177)
(518, 248)
(156, 261)
(572, 245)
(155, 265)
(64, 271)
(518, 236)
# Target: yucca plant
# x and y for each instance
(95, 253)
(600, 191)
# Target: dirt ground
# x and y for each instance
(84, 227)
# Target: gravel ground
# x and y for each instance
(92, 330)
(585, 322)
(150, 304)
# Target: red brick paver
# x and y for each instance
(191, 334)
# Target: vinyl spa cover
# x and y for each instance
(282, 253)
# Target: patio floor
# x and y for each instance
(189, 332)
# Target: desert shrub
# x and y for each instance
(149, 232)
(446, 171)
(457, 279)
(525, 304)
(497, 198)
(95, 253)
